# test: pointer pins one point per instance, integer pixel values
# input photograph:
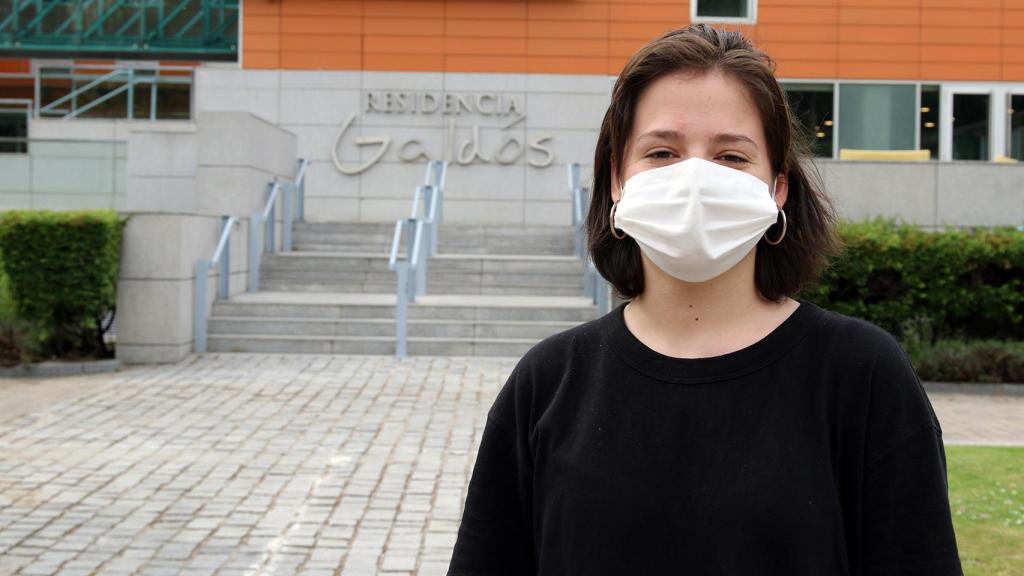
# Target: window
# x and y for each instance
(970, 126)
(741, 11)
(1016, 113)
(812, 106)
(878, 116)
(929, 125)
(13, 131)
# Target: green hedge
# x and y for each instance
(61, 270)
(973, 361)
(953, 284)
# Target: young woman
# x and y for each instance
(712, 424)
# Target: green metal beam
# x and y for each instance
(193, 28)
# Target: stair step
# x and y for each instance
(384, 327)
(368, 345)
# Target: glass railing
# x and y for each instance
(62, 174)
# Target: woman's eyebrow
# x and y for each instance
(733, 139)
(670, 135)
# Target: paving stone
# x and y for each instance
(269, 463)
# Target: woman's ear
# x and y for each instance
(781, 189)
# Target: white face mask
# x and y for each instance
(695, 219)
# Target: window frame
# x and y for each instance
(750, 19)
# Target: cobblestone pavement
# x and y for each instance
(273, 464)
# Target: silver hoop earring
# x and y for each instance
(611, 222)
(781, 236)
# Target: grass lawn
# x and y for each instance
(986, 495)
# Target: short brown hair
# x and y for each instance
(810, 238)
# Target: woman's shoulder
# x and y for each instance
(859, 342)
(537, 376)
(880, 372)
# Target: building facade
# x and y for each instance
(179, 112)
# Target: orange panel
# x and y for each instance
(255, 59)
(880, 34)
(484, 63)
(648, 13)
(496, 28)
(798, 3)
(1013, 18)
(782, 33)
(878, 52)
(642, 31)
(485, 10)
(1013, 57)
(879, 16)
(262, 42)
(319, 7)
(880, 3)
(934, 4)
(403, 8)
(404, 26)
(878, 70)
(404, 62)
(566, 11)
(1013, 73)
(1012, 38)
(320, 25)
(321, 61)
(967, 54)
(550, 29)
(486, 46)
(265, 24)
(954, 36)
(806, 69)
(673, 3)
(970, 17)
(320, 43)
(943, 71)
(403, 45)
(623, 48)
(546, 47)
(807, 38)
(262, 8)
(578, 65)
(615, 66)
(803, 52)
(786, 15)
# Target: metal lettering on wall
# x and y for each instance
(509, 150)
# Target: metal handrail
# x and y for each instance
(405, 291)
(594, 285)
(95, 75)
(104, 78)
(266, 220)
(222, 259)
(411, 271)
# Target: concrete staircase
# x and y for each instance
(491, 291)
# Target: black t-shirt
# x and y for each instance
(812, 452)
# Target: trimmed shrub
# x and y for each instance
(978, 361)
(955, 284)
(18, 338)
(62, 272)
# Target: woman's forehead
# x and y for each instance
(696, 105)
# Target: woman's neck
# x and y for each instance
(697, 320)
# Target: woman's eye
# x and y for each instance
(733, 158)
(659, 154)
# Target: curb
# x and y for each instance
(52, 369)
(974, 388)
